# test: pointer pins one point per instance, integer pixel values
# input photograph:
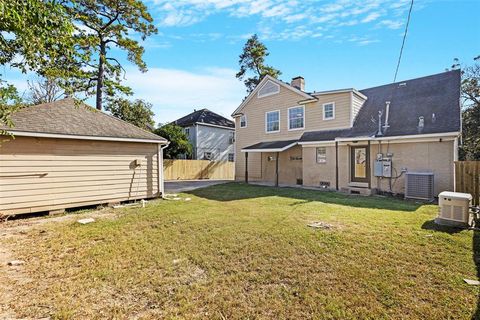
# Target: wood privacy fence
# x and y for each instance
(198, 169)
(467, 179)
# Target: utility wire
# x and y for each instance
(403, 42)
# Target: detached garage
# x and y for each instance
(65, 154)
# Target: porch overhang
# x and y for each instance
(271, 146)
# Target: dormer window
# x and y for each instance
(243, 121)
(329, 111)
(268, 89)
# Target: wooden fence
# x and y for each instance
(467, 179)
(198, 169)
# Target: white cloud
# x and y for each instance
(175, 93)
(282, 16)
(391, 24)
(371, 17)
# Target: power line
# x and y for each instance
(403, 42)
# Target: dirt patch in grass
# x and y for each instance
(237, 251)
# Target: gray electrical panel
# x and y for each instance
(387, 168)
(378, 168)
(383, 168)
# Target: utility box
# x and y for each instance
(383, 168)
(454, 209)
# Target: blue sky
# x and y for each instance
(332, 44)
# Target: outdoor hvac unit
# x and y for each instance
(454, 208)
(419, 185)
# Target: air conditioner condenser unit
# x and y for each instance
(454, 209)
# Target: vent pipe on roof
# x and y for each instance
(387, 112)
(379, 133)
(421, 123)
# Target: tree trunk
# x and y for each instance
(100, 75)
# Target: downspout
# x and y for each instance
(336, 165)
(276, 168)
(160, 177)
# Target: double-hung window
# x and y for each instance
(272, 121)
(243, 121)
(329, 111)
(296, 118)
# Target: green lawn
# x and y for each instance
(237, 251)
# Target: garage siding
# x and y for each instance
(43, 174)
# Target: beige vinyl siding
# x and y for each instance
(41, 174)
(357, 103)
(314, 112)
(255, 131)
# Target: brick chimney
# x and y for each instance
(299, 83)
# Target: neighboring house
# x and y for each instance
(65, 155)
(355, 141)
(211, 135)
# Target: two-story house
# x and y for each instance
(211, 135)
(357, 141)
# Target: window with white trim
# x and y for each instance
(329, 111)
(187, 131)
(321, 155)
(272, 121)
(296, 118)
(243, 121)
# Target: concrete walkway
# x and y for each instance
(187, 185)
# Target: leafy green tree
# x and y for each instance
(136, 112)
(470, 149)
(252, 64)
(102, 25)
(33, 33)
(10, 101)
(179, 144)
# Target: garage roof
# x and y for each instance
(75, 120)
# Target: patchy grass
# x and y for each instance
(238, 251)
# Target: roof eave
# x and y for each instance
(83, 137)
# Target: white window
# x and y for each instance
(272, 121)
(208, 156)
(329, 111)
(296, 118)
(243, 121)
(231, 157)
(321, 155)
(187, 131)
(268, 89)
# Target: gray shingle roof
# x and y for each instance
(270, 145)
(436, 98)
(68, 118)
(204, 116)
(437, 95)
(324, 135)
